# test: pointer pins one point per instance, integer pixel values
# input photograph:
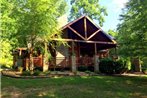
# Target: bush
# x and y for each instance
(26, 73)
(29, 73)
(36, 72)
(120, 66)
(108, 66)
(88, 72)
(144, 70)
(82, 68)
(20, 69)
(90, 68)
(6, 63)
(128, 63)
(38, 68)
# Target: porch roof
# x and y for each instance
(83, 30)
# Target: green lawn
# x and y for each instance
(75, 87)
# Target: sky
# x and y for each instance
(114, 9)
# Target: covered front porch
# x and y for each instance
(86, 44)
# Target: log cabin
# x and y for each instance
(86, 41)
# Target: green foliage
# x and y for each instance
(120, 66)
(144, 62)
(128, 64)
(8, 24)
(85, 68)
(132, 34)
(90, 68)
(28, 21)
(20, 69)
(6, 63)
(144, 65)
(87, 7)
(144, 70)
(113, 33)
(45, 73)
(36, 72)
(29, 73)
(88, 72)
(36, 19)
(106, 66)
(82, 68)
(109, 66)
(26, 73)
(5, 50)
(7, 27)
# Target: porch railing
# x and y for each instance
(64, 62)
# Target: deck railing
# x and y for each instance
(66, 62)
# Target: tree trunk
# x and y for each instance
(136, 65)
(31, 60)
(45, 65)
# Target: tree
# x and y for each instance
(132, 34)
(87, 7)
(114, 36)
(113, 33)
(35, 20)
(7, 27)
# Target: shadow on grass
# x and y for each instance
(79, 87)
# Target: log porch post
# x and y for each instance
(73, 59)
(96, 60)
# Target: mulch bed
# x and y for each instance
(16, 74)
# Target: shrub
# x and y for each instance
(82, 68)
(144, 70)
(29, 73)
(90, 68)
(109, 66)
(45, 73)
(120, 66)
(88, 72)
(38, 68)
(6, 63)
(20, 69)
(128, 63)
(26, 73)
(36, 72)
(106, 66)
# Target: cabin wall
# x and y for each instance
(62, 56)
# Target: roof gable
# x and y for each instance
(83, 28)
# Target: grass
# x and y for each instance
(75, 87)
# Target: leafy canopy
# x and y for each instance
(28, 21)
(90, 8)
(37, 19)
(132, 34)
